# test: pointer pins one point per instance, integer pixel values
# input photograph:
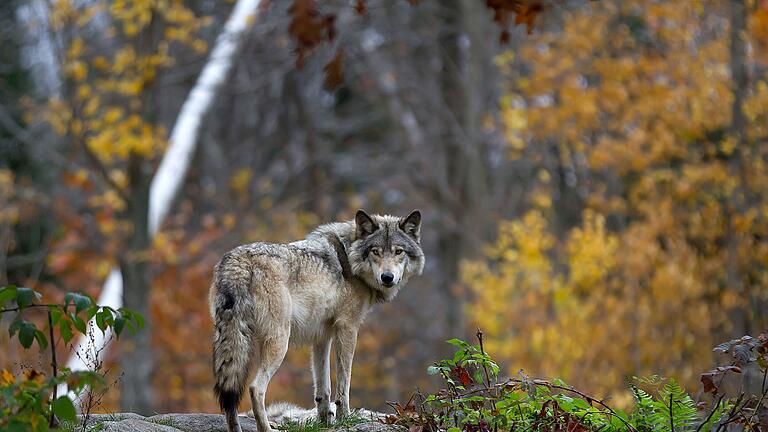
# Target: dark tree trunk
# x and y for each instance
(461, 82)
(737, 201)
(137, 361)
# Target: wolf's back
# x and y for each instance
(233, 316)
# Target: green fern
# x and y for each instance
(644, 410)
(674, 410)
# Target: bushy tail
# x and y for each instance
(233, 335)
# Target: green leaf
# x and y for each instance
(457, 342)
(14, 327)
(91, 311)
(65, 328)
(25, 296)
(27, 333)
(41, 339)
(80, 301)
(580, 403)
(472, 399)
(131, 318)
(119, 324)
(7, 293)
(79, 324)
(55, 314)
(17, 425)
(433, 370)
(139, 319)
(64, 409)
(101, 322)
(494, 369)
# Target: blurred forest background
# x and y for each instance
(593, 180)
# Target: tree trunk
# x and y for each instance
(133, 286)
(736, 202)
(461, 78)
(137, 360)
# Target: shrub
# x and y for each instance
(30, 401)
(475, 399)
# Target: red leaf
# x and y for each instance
(360, 7)
(462, 375)
(525, 12)
(334, 71)
(308, 27)
(708, 378)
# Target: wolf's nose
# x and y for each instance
(387, 278)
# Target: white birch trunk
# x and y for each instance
(184, 137)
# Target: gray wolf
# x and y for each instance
(308, 292)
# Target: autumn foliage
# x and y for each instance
(619, 266)
(623, 229)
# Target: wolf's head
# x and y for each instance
(386, 251)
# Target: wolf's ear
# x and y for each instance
(411, 224)
(365, 224)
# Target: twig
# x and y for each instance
(13, 309)
(479, 335)
(94, 160)
(762, 396)
(52, 422)
(732, 413)
(586, 396)
(763, 388)
(711, 413)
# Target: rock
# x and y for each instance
(127, 422)
(376, 427)
(136, 425)
(201, 422)
(197, 422)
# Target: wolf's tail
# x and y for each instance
(233, 335)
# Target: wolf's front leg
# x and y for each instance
(321, 373)
(346, 338)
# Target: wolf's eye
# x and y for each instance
(398, 252)
(375, 252)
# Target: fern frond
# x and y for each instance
(675, 410)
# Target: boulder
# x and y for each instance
(198, 422)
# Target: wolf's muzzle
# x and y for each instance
(387, 279)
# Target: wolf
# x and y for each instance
(309, 292)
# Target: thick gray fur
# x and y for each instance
(309, 292)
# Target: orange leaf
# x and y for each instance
(334, 71)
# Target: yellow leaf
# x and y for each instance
(7, 378)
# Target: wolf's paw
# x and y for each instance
(342, 409)
(326, 416)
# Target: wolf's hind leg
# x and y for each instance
(321, 373)
(271, 355)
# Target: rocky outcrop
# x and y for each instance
(195, 422)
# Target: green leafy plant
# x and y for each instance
(475, 399)
(30, 401)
